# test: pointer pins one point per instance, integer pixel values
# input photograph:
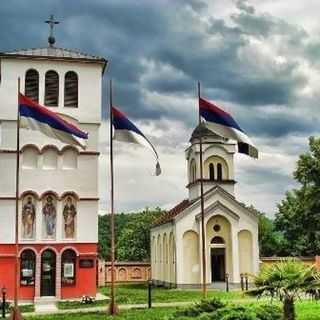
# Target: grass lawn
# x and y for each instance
(306, 310)
(137, 293)
(67, 305)
(146, 314)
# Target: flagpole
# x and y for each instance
(112, 307)
(15, 315)
(203, 233)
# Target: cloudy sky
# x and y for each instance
(257, 59)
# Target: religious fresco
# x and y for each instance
(49, 213)
(28, 217)
(69, 217)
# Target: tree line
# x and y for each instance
(294, 231)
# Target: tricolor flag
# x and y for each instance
(222, 123)
(37, 117)
(126, 131)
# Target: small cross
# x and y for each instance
(51, 22)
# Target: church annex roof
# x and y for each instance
(170, 215)
(55, 54)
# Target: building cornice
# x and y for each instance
(60, 152)
(218, 205)
(208, 181)
(59, 198)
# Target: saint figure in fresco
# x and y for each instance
(49, 215)
(69, 213)
(28, 218)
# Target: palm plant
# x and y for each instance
(286, 280)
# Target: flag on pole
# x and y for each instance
(39, 118)
(126, 131)
(222, 123)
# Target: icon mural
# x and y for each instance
(69, 216)
(49, 217)
(28, 217)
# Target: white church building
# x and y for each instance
(231, 229)
(58, 200)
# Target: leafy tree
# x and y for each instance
(298, 216)
(105, 232)
(135, 225)
(270, 240)
(134, 240)
(286, 280)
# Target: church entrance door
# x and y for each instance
(48, 273)
(218, 269)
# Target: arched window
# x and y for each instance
(217, 240)
(193, 171)
(68, 267)
(219, 171)
(27, 268)
(31, 85)
(71, 90)
(211, 171)
(51, 98)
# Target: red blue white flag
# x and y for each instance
(126, 131)
(39, 118)
(222, 123)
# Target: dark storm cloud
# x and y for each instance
(277, 125)
(168, 35)
(268, 177)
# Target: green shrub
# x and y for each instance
(268, 312)
(205, 306)
(231, 312)
(217, 310)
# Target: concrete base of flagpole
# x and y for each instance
(15, 314)
(113, 309)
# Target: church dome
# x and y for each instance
(202, 131)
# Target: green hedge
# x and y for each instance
(215, 309)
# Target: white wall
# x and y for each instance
(89, 75)
(188, 221)
(83, 180)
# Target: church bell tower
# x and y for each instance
(218, 167)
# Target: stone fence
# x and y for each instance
(307, 260)
(126, 272)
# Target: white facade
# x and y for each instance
(46, 165)
(231, 229)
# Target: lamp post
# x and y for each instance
(4, 293)
(149, 294)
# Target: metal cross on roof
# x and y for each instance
(51, 22)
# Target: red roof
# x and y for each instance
(169, 215)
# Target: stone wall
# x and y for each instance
(124, 272)
(307, 260)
